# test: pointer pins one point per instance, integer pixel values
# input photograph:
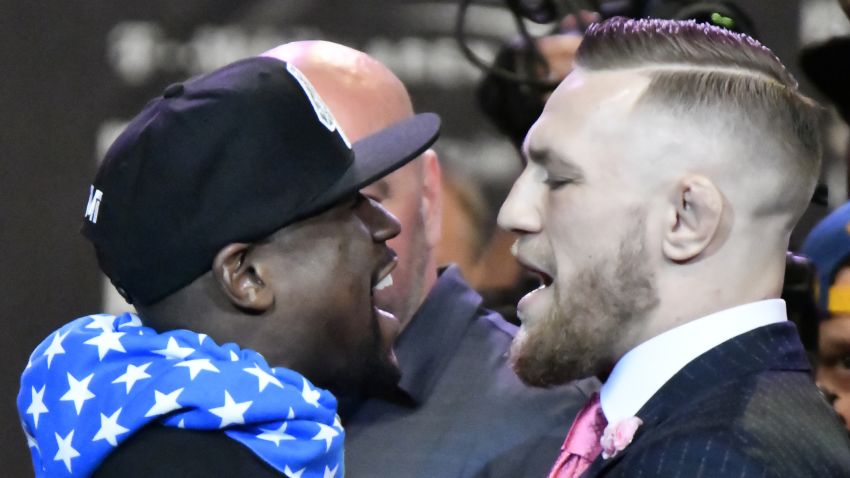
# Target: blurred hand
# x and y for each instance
(559, 51)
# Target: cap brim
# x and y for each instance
(382, 153)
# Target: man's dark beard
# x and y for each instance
(382, 376)
(374, 376)
(576, 338)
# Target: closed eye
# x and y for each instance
(373, 197)
(556, 183)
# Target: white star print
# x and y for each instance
(330, 473)
(291, 414)
(327, 434)
(264, 378)
(37, 406)
(133, 375)
(78, 391)
(233, 356)
(66, 451)
(195, 367)
(275, 435)
(181, 423)
(173, 350)
(293, 474)
(231, 412)
(108, 340)
(337, 423)
(55, 347)
(201, 338)
(103, 322)
(164, 403)
(30, 439)
(109, 428)
(309, 395)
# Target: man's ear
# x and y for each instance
(694, 216)
(432, 199)
(241, 280)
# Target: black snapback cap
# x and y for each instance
(230, 156)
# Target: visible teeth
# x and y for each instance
(385, 282)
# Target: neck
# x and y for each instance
(710, 289)
(429, 279)
(193, 307)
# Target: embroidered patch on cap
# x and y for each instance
(93, 204)
(319, 106)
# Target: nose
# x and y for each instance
(520, 212)
(381, 223)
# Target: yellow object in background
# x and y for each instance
(839, 299)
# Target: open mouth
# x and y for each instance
(544, 277)
(382, 277)
(384, 283)
(388, 324)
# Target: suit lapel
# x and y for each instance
(772, 347)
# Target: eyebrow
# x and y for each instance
(552, 159)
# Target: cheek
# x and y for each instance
(842, 406)
(408, 214)
(834, 354)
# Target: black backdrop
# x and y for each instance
(72, 71)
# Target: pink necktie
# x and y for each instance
(582, 444)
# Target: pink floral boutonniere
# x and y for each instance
(617, 436)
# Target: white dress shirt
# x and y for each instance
(641, 372)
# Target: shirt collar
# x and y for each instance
(642, 371)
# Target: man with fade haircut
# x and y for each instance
(229, 213)
(459, 410)
(661, 185)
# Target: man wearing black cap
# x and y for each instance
(228, 213)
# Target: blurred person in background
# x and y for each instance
(458, 410)
(828, 246)
(827, 65)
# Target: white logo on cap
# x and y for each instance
(322, 111)
(93, 206)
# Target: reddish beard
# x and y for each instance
(580, 334)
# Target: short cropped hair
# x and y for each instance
(699, 68)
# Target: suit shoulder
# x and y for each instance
(706, 453)
(769, 424)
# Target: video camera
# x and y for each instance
(723, 14)
(515, 83)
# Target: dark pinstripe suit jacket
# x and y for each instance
(746, 408)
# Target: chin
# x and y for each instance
(375, 371)
(554, 349)
(382, 370)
